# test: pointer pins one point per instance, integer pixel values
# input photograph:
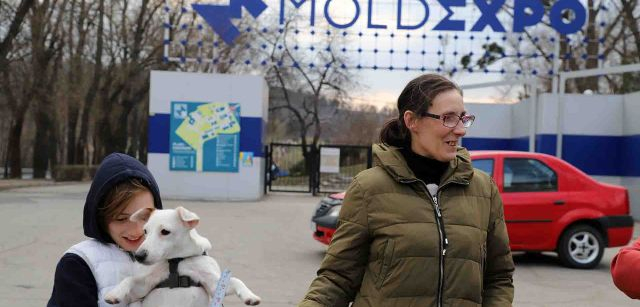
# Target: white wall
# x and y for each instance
(251, 92)
(583, 114)
(547, 110)
(520, 117)
(593, 115)
(631, 114)
(492, 120)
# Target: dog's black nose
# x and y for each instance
(140, 257)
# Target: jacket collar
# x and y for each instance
(390, 159)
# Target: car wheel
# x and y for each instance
(581, 247)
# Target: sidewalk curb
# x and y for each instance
(11, 184)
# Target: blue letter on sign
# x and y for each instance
(370, 24)
(448, 24)
(567, 5)
(413, 27)
(489, 15)
(522, 19)
(298, 4)
(339, 26)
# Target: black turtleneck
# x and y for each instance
(425, 169)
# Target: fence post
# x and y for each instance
(267, 167)
(314, 177)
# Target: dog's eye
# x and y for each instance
(145, 231)
(165, 232)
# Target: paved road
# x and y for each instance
(265, 243)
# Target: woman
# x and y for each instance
(89, 269)
(422, 227)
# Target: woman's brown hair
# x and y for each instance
(417, 96)
(117, 200)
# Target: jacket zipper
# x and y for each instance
(444, 241)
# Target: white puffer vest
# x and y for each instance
(108, 263)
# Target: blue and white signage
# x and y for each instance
(525, 13)
(442, 36)
(204, 137)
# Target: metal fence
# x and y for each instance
(286, 170)
(338, 164)
(328, 169)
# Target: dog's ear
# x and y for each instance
(189, 218)
(141, 215)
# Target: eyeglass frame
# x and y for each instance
(460, 118)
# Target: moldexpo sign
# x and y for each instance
(525, 13)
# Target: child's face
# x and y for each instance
(127, 234)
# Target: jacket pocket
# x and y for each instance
(387, 257)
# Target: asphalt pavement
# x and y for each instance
(266, 243)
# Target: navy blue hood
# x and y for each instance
(114, 169)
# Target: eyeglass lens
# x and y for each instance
(452, 120)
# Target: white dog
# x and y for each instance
(170, 237)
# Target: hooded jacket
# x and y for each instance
(74, 283)
(115, 168)
(398, 244)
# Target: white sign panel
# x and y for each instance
(329, 160)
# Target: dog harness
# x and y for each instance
(175, 280)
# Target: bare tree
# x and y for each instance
(80, 70)
(304, 82)
(80, 147)
(628, 50)
(359, 124)
(46, 45)
(14, 28)
(16, 105)
(135, 47)
(79, 20)
(611, 36)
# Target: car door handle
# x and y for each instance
(559, 202)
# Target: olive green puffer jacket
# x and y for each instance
(390, 248)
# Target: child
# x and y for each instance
(89, 269)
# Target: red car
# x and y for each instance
(549, 205)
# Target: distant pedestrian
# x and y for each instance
(625, 270)
(89, 269)
(422, 227)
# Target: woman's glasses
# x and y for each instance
(452, 120)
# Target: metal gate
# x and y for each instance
(338, 164)
(330, 169)
(286, 170)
